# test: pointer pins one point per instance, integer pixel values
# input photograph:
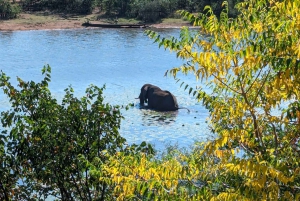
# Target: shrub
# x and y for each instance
(72, 6)
(42, 142)
(8, 10)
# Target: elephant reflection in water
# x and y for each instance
(158, 99)
(158, 118)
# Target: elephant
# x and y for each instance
(158, 99)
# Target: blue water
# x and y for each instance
(124, 60)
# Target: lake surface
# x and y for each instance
(124, 60)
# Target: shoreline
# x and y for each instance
(41, 21)
(11, 27)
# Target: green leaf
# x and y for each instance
(186, 86)
(191, 89)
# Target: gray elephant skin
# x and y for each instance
(158, 99)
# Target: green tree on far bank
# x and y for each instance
(154, 10)
(62, 6)
(145, 10)
(8, 10)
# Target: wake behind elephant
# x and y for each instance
(158, 99)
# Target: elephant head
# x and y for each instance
(144, 92)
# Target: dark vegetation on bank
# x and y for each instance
(144, 10)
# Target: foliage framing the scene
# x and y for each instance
(43, 144)
(251, 64)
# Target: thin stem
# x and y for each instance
(226, 85)
(103, 192)
(263, 84)
(246, 149)
(222, 82)
(256, 126)
(76, 186)
(86, 170)
(4, 191)
(254, 81)
(87, 184)
(64, 193)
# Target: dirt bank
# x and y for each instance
(45, 21)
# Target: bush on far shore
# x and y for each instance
(72, 6)
(8, 10)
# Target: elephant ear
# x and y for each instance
(144, 94)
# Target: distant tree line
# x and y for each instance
(145, 10)
(153, 10)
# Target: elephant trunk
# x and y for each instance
(141, 99)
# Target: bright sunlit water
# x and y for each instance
(124, 60)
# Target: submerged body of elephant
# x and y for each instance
(158, 99)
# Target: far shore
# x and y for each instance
(45, 21)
